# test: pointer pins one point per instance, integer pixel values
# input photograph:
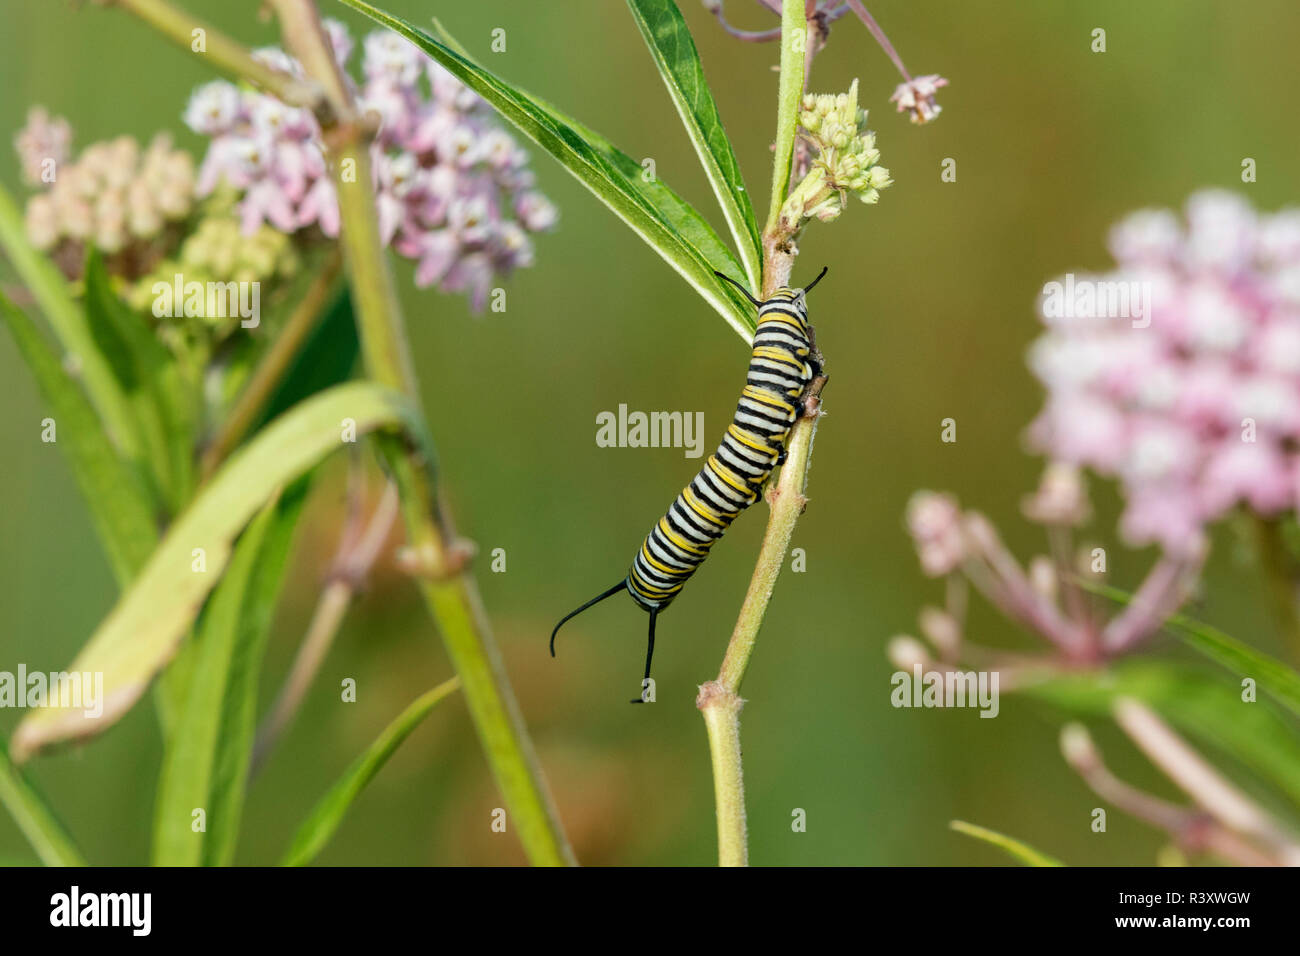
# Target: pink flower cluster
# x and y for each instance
(454, 190)
(1178, 373)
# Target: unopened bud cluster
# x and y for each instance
(219, 251)
(845, 160)
(114, 195)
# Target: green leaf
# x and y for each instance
(673, 49)
(1277, 679)
(328, 813)
(592, 167)
(141, 633)
(1023, 852)
(1198, 702)
(119, 505)
(206, 761)
(165, 407)
(34, 817)
(327, 358)
(50, 290)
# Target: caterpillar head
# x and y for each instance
(795, 297)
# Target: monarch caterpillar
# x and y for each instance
(781, 366)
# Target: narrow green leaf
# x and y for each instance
(119, 505)
(328, 813)
(206, 760)
(239, 705)
(50, 290)
(673, 49)
(1198, 702)
(589, 165)
(183, 785)
(327, 358)
(1023, 852)
(34, 817)
(1273, 676)
(141, 633)
(165, 406)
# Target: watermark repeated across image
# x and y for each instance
(624, 429)
(208, 300)
(946, 688)
(82, 690)
(1085, 297)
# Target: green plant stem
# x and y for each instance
(270, 371)
(719, 700)
(445, 582)
(220, 51)
(794, 35)
(1280, 577)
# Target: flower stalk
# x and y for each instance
(719, 700)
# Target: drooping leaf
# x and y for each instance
(119, 504)
(590, 166)
(206, 759)
(1198, 702)
(1023, 852)
(68, 321)
(34, 817)
(328, 813)
(141, 633)
(673, 49)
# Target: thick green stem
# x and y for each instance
(794, 41)
(719, 700)
(445, 582)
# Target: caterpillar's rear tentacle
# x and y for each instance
(622, 585)
(649, 656)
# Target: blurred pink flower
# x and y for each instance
(1178, 373)
(453, 189)
(916, 97)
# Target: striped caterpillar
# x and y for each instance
(781, 366)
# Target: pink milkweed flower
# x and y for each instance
(453, 191)
(916, 97)
(1193, 406)
(43, 139)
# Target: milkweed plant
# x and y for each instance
(203, 314)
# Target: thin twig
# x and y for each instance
(226, 55)
(874, 28)
(1199, 780)
(355, 557)
(1193, 830)
(270, 371)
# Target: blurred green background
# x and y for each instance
(926, 313)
